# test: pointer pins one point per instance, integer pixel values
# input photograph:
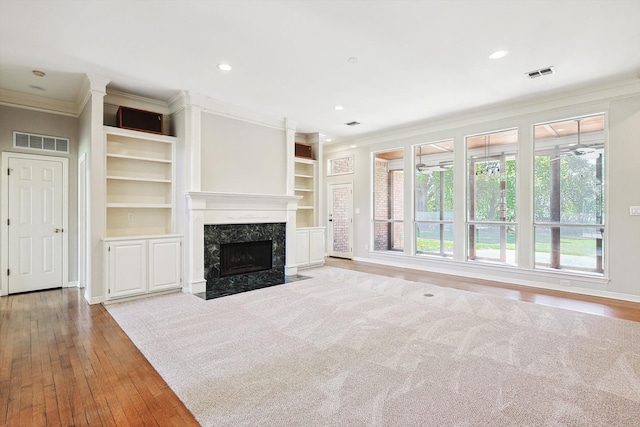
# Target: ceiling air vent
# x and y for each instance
(33, 141)
(541, 72)
(352, 123)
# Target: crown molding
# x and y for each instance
(37, 103)
(220, 108)
(602, 93)
(116, 97)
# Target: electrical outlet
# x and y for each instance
(565, 282)
(130, 216)
(634, 210)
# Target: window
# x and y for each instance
(569, 194)
(491, 205)
(341, 166)
(388, 201)
(434, 198)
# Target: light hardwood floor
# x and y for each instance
(582, 303)
(66, 363)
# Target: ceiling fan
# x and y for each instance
(581, 150)
(421, 167)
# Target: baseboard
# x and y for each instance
(532, 281)
(74, 284)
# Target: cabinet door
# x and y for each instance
(127, 268)
(164, 264)
(302, 247)
(316, 246)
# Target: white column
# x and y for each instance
(194, 271)
(290, 267)
(96, 218)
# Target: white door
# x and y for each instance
(35, 220)
(340, 220)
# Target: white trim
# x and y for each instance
(220, 108)
(4, 214)
(37, 103)
(74, 284)
(531, 278)
(117, 98)
(458, 122)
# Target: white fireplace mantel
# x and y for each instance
(235, 208)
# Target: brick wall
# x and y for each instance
(398, 209)
(341, 206)
(381, 205)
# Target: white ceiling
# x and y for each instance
(417, 60)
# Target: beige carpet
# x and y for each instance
(346, 348)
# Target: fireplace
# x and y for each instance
(245, 257)
(217, 219)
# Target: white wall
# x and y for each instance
(624, 191)
(19, 119)
(242, 157)
(622, 108)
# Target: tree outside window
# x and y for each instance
(434, 198)
(569, 194)
(491, 191)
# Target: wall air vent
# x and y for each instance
(352, 123)
(33, 141)
(541, 72)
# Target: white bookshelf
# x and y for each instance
(140, 177)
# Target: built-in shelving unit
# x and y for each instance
(139, 183)
(141, 255)
(310, 235)
(305, 182)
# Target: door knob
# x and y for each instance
(58, 230)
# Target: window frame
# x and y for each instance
(442, 223)
(556, 227)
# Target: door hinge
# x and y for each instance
(109, 291)
(109, 248)
(8, 272)
(8, 171)
(8, 221)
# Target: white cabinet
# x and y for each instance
(141, 266)
(126, 268)
(164, 264)
(141, 253)
(310, 248)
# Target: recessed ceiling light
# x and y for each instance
(328, 140)
(224, 67)
(39, 73)
(498, 54)
(339, 107)
(352, 146)
(352, 60)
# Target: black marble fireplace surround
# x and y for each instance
(216, 235)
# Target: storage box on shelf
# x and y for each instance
(139, 175)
